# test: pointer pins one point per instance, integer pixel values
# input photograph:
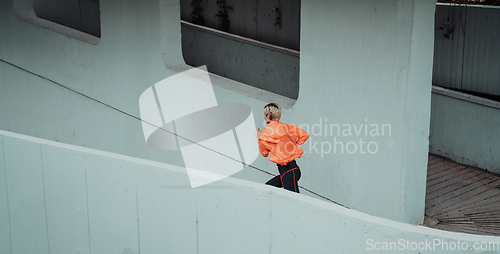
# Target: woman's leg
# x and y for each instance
(290, 180)
(290, 175)
(275, 181)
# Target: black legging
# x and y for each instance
(288, 177)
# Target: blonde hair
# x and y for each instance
(273, 110)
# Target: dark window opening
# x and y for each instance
(256, 45)
(81, 15)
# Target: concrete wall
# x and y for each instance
(58, 198)
(465, 128)
(140, 45)
(470, 59)
(134, 53)
(115, 71)
(378, 76)
(255, 19)
(269, 67)
(374, 71)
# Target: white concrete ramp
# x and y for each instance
(58, 198)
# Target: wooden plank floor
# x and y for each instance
(461, 198)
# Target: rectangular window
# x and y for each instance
(81, 15)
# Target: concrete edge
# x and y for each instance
(465, 97)
(470, 5)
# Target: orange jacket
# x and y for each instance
(282, 142)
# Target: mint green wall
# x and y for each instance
(70, 199)
(135, 51)
(466, 129)
(368, 62)
(140, 45)
(363, 62)
(4, 207)
(115, 71)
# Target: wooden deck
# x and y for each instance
(461, 198)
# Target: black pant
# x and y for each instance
(288, 177)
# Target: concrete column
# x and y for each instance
(365, 87)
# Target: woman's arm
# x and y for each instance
(263, 149)
(303, 136)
